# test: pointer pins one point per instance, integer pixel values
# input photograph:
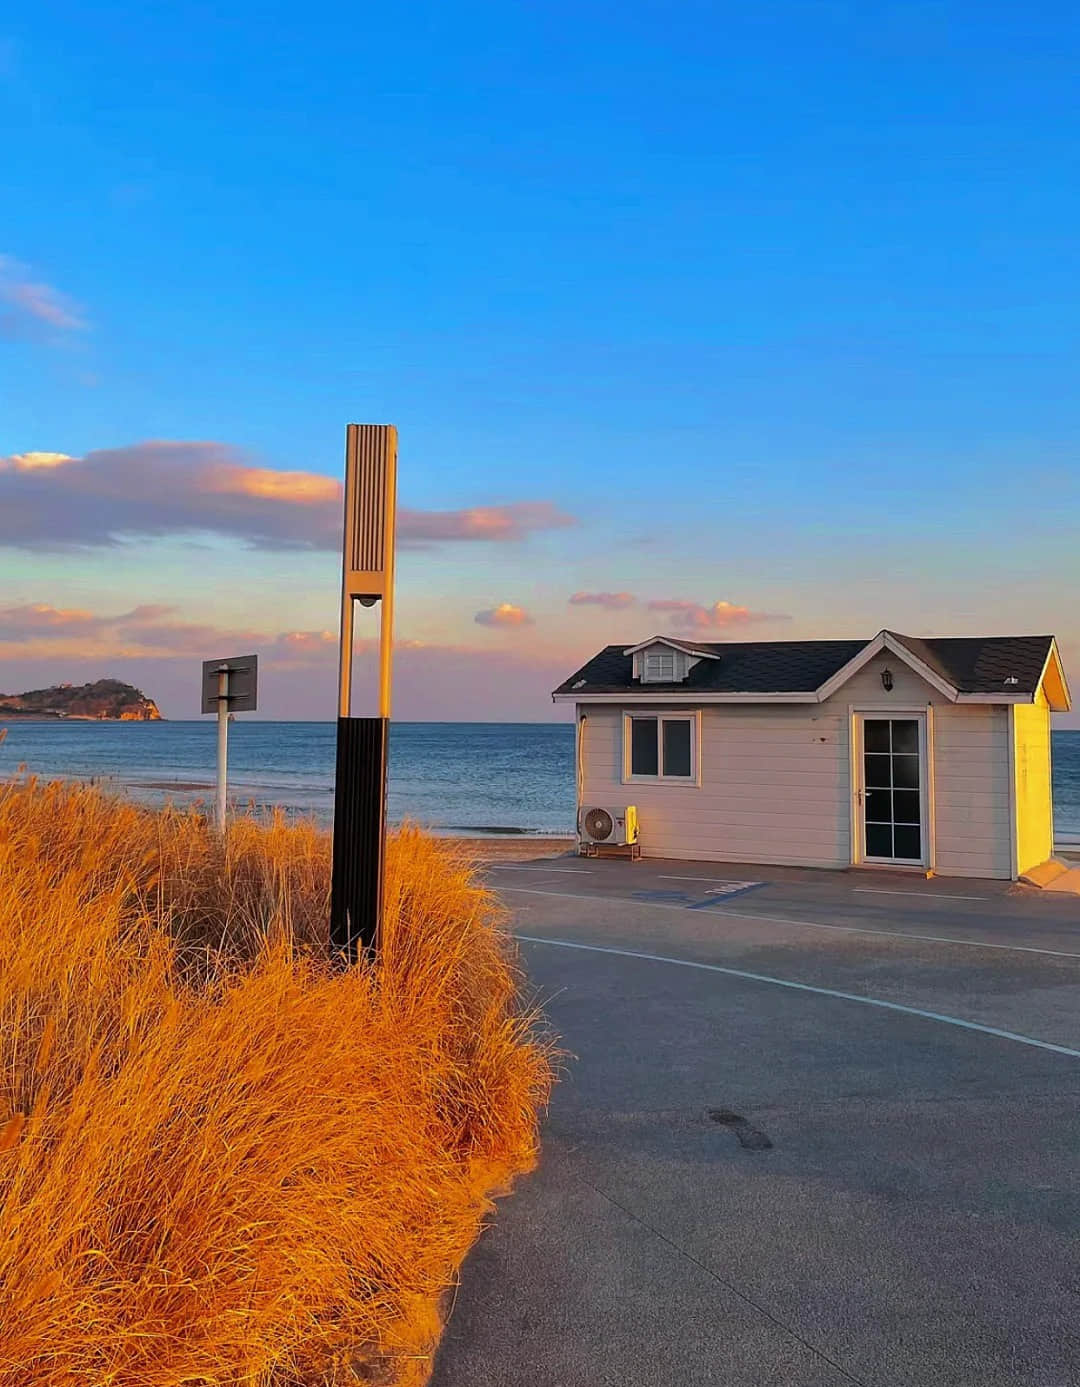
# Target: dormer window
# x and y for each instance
(663, 660)
(659, 667)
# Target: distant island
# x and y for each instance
(106, 700)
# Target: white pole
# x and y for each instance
(222, 743)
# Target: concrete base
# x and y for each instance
(1054, 875)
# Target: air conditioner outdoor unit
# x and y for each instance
(602, 824)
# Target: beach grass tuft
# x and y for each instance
(224, 1159)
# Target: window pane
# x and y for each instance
(643, 746)
(908, 843)
(906, 806)
(879, 840)
(905, 771)
(677, 747)
(878, 806)
(905, 735)
(877, 771)
(660, 666)
(875, 735)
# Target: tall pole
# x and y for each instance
(222, 745)
(356, 891)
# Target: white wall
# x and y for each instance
(970, 750)
(776, 779)
(774, 786)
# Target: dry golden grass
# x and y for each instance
(222, 1161)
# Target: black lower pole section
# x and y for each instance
(359, 835)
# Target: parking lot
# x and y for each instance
(812, 1128)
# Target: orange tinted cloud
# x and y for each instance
(719, 615)
(614, 601)
(497, 523)
(35, 620)
(301, 488)
(161, 487)
(505, 614)
(32, 462)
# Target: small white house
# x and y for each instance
(930, 754)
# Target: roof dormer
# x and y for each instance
(664, 660)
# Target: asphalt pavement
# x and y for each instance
(812, 1128)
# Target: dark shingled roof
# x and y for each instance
(971, 664)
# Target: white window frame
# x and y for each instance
(663, 657)
(681, 663)
(693, 717)
(924, 714)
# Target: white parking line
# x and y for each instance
(916, 895)
(819, 991)
(721, 909)
(714, 881)
(858, 890)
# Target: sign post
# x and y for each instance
(228, 686)
(367, 577)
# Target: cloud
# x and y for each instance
(510, 522)
(157, 488)
(614, 601)
(505, 614)
(37, 621)
(162, 631)
(155, 649)
(38, 630)
(719, 615)
(31, 305)
(34, 462)
(297, 488)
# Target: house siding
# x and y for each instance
(776, 779)
(974, 813)
(774, 787)
(1034, 794)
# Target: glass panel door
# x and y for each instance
(892, 790)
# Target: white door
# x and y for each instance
(891, 789)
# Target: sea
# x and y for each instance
(457, 777)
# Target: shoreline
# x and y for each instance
(523, 849)
(8, 715)
(482, 843)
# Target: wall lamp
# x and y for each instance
(886, 679)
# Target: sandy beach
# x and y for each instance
(519, 848)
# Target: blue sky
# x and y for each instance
(777, 302)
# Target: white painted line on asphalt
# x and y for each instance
(808, 987)
(917, 895)
(903, 934)
(715, 881)
(721, 909)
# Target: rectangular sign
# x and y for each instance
(243, 683)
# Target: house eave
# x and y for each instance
(1002, 699)
(673, 643)
(700, 699)
(705, 697)
(1053, 657)
(881, 642)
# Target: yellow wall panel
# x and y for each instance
(1034, 792)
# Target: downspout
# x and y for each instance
(579, 773)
